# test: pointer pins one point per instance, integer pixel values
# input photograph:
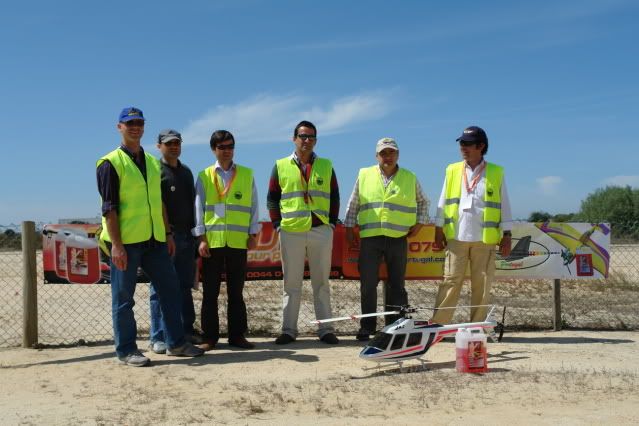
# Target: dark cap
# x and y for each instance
(473, 134)
(168, 135)
(131, 113)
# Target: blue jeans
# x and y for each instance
(156, 263)
(184, 263)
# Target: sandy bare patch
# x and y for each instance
(569, 377)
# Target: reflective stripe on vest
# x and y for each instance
(140, 209)
(390, 210)
(492, 201)
(295, 211)
(232, 229)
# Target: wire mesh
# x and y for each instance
(68, 314)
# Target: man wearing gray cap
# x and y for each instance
(473, 217)
(389, 205)
(178, 196)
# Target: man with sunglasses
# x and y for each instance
(178, 196)
(303, 203)
(389, 205)
(135, 229)
(226, 222)
(473, 217)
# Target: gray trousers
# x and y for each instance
(316, 245)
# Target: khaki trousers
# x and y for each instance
(482, 272)
(316, 245)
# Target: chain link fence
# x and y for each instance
(71, 314)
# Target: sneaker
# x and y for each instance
(134, 359)
(187, 349)
(284, 339)
(158, 347)
(240, 342)
(330, 338)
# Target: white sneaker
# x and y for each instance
(135, 359)
(158, 347)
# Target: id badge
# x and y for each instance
(466, 203)
(220, 209)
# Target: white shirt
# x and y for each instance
(471, 208)
(200, 202)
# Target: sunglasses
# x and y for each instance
(134, 123)
(227, 147)
(467, 143)
(174, 142)
(305, 137)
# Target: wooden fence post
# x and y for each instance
(29, 286)
(556, 305)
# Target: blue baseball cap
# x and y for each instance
(131, 113)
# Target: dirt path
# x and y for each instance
(570, 377)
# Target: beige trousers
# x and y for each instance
(482, 272)
(316, 245)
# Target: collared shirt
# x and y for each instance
(178, 195)
(353, 203)
(471, 207)
(275, 195)
(200, 202)
(109, 181)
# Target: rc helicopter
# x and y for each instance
(408, 338)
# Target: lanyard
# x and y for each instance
(475, 181)
(222, 194)
(305, 178)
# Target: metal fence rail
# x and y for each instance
(68, 314)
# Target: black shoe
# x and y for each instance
(363, 337)
(240, 342)
(330, 339)
(284, 339)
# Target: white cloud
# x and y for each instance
(622, 181)
(548, 184)
(269, 118)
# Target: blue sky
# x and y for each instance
(554, 84)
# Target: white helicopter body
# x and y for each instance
(408, 338)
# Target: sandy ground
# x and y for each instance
(569, 377)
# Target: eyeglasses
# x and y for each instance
(174, 142)
(227, 147)
(134, 123)
(305, 137)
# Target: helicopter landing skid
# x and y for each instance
(395, 367)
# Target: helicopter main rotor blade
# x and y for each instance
(355, 317)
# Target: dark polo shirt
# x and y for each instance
(178, 195)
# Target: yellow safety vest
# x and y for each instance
(492, 200)
(233, 229)
(140, 211)
(296, 212)
(390, 210)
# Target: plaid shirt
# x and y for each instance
(353, 203)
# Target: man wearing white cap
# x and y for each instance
(389, 205)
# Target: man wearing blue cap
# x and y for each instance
(473, 217)
(135, 229)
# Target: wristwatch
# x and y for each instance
(508, 234)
